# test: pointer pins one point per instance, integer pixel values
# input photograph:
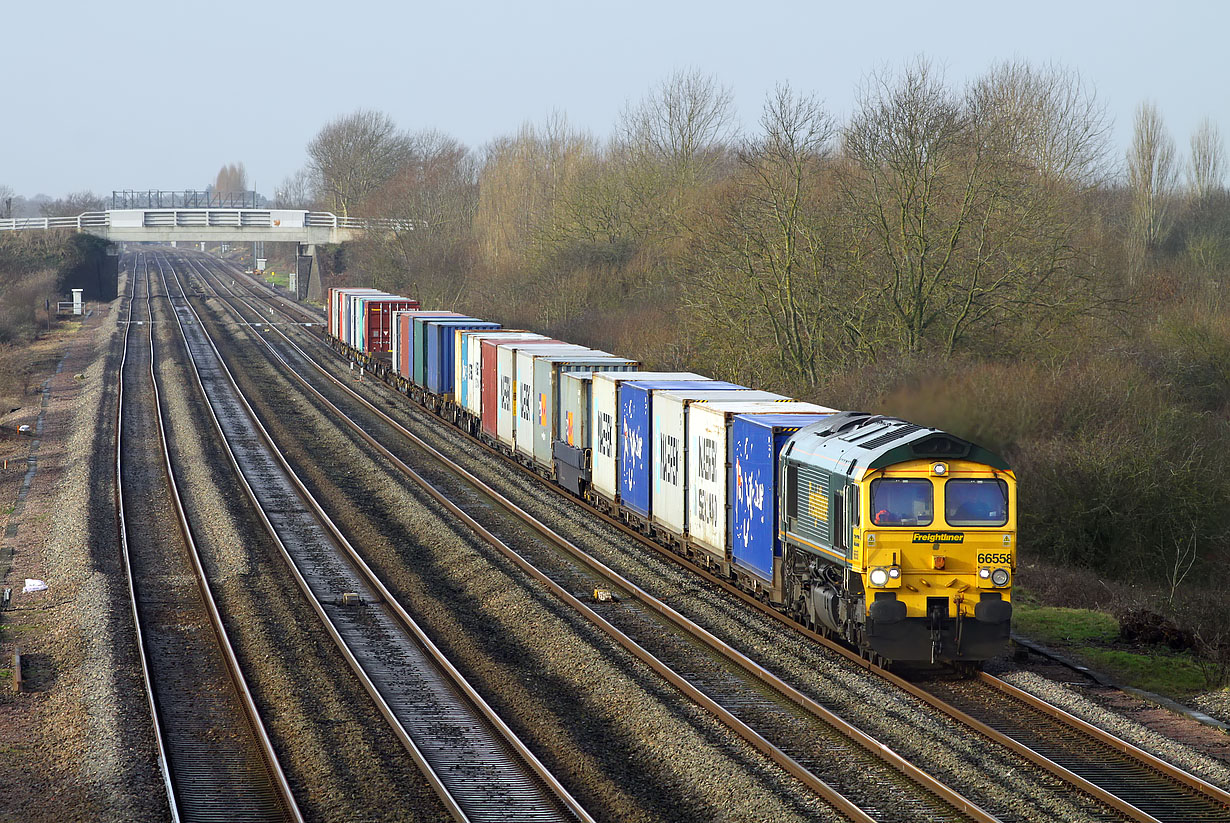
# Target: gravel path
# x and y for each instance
(1214, 704)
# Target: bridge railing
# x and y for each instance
(90, 219)
(327, 219)
(235, 218)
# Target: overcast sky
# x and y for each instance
(125, 94)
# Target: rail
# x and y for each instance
(959, 806)
(1202, 801)
(478, 766)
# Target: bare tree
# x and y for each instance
(1048, 118)
(231, 178)
(767, 266)
(295, 192)
(682, 123)
(1153, 175)
(522, 182)
(1207, 167)
(434, 196)
(356, 154)
(960, 235)
(73, 205)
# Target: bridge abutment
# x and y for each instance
(307, 284)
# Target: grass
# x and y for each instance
(278, 279)
(1155, 670)
(12, 631)
(1093, 638)
(1053, 626)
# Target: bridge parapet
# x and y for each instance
(270, 225)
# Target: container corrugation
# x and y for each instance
(469, 378)
(546, 395)
(418, 352)
(336, 318)
(440, 364)
(366, 327)
(497, 386)
(754, 484)
(668, 449)
(520, 371)
(635, 433)
(707, 457)
(405, 338)
(377, 326)
(531, 402)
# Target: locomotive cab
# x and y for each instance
(902, 540)
(937, 553)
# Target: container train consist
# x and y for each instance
(896, 538)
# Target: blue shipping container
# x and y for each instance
(755, 442)
(418, 348)
(635, 455)
(441, 361)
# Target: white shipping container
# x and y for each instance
(708, 459)
(604, 423)
(527, 405)
(506, 389)
(669, 455)
(470, 373)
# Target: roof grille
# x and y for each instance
(890, 436)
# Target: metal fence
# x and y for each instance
(186, 199)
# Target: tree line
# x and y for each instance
(974, 256)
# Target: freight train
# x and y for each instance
(896, 538)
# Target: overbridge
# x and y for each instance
(195, 225)
(224, 225)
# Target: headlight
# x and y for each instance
(894, 572)
(984, 573)
(1000, 577)
(878, 577)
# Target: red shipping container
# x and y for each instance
(491, 392)
(378, 329)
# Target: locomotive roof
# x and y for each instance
(854, 443)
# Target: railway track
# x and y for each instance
(857, 774)
(1134, 782)
(215, 755)
(1128, 780)
(477, 766)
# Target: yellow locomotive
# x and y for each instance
(898, 538)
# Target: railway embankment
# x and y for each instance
(74, 744)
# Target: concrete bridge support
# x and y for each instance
(307, 283)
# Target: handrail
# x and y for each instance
(311, 219)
